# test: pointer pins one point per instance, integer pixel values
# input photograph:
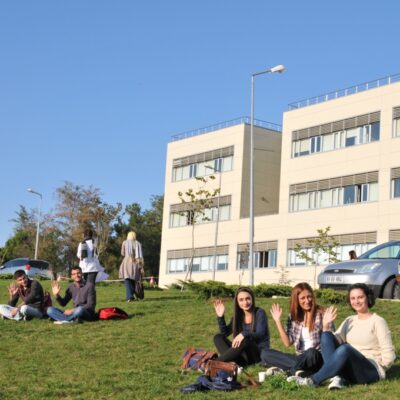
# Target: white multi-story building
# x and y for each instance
(336, 163)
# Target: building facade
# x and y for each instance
(336, 163)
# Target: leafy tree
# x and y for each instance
(198, 201)
(323, 244)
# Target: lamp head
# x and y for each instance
(278, 68)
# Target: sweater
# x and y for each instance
(32, 295)
(82, 296)
(261, 334)
(372, 338)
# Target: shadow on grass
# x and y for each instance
(139, 314)
(183, 297)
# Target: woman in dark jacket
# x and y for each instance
(249, 327)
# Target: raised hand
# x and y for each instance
(219, 308)
(12, 289)
(276, 312)
(329, 316)
(55, 287)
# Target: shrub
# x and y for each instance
(6, 276)
(331, 296)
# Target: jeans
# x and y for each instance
(129, 288)
(344, 360)
(247, 353)
(79, 313)
(310, 361)
(25, 312)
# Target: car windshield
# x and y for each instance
(389, 250)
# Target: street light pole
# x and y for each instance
(30, 190)
(217, 223)
(279, 69)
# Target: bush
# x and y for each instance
(207, 289)
(6, 276)
(331, 296)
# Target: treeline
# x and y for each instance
(77, 208)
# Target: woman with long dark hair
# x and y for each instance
(360, 351)
(303, 331)
(248, 326)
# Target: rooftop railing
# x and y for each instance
(345, 92)
(226, 124)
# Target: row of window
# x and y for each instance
(261, 260)
(396, 127)
(334, 197)
(204, 168)
(336, 140)
(185, 218)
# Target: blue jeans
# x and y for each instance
(129, 288)
(79, 312)
(344, 360)
(25, 311)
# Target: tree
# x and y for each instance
(197, 201)
(323, 244)
(79, 208)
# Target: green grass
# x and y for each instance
(139, 358)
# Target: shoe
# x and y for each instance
(301, 381)
(62, 322)
(336, 383)
(274, 371)
(300, 372)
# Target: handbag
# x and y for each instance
(196, 358)
(139, 290)
(229, 370)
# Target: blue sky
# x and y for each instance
(92, 91)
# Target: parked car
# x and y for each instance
(379, 268)
(31, 267)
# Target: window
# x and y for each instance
(200, 264)
(396, 127)
(336, 140)
(396, 187)
(338, 196)
(261, 259)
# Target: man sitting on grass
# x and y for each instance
(31, 294)
(83, 296)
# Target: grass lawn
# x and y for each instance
(139, 358)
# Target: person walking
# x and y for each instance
(88, 261)
(131, 269)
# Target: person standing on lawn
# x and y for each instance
(360, 351)
(88, 260)
(32, 296)
(83, 296)
(303, 330)
(249, 327)
(131, 269)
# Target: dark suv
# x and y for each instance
(31, 267)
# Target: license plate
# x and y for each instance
(334, 279)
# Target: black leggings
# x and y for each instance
(90, 277)
(247, 353)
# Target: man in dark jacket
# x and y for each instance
(31, 294)
(83, 296)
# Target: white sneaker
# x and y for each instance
(336, 383)
(301, 381)
(274, 371)
(299, 372)
(62, 322)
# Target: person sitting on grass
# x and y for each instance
(83, 296)
(32, 296)
(360, 351)
(303, 330)
(249, 327)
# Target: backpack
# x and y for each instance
(196, 358)
(112, 313)
(47, 302)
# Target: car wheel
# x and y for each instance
(396, 291)
(389, 289)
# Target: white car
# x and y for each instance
(32, 268)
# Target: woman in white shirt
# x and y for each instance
(360, 351)
(88, 260)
